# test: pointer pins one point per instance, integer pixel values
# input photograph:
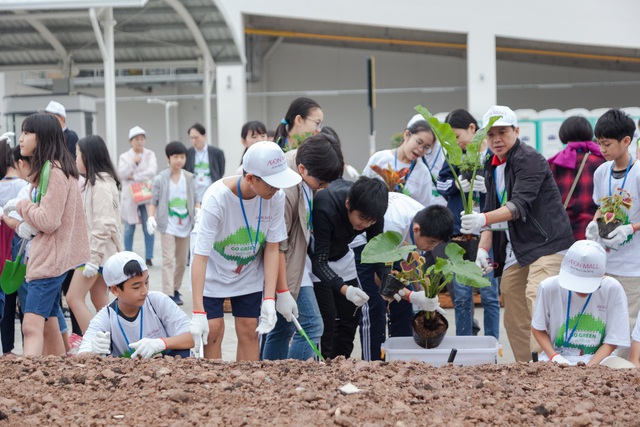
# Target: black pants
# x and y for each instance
(8, 324)
(341, 318)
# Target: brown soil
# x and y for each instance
(187, 392)
(429, 329)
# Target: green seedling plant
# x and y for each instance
(389, 247)
(471, 161)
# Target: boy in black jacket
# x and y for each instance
(341, 212)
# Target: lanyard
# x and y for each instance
(625, 175)
(310, 203)
(502, 196)
(246, 221)
(204, 153)
(122, 329)
(395, 166)
(435, 160)
(567, 336)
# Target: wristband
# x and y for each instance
(409, 296)
(266, 298)
(554, 355)
(165, 343)
(283, 291)
(199, 312)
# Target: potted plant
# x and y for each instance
(468, 164)
(429, 328)
(394, 179)
(613, 210)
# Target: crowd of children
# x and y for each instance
(282, 239)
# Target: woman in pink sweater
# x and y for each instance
(56, 222)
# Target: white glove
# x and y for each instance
(464, 186)
(286, 305)
(7, 136)
(147, 347)
(560, 360)
(151, 225)
(479, 185)
(591, 233)
(199, 328)
(268, 317)
(357, 296)
(421, 300)
(472, 223)
(482, 260)
(618, 236)
(10, 206)
(26, 231)
(101, 343)
(90, 270)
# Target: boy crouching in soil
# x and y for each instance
(138, 323)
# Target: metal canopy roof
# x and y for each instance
(152, 35)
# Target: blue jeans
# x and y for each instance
(129, 229)
(463, 305)
(277, 347)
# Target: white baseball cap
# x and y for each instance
(508, 116)
(113, 270)
(416, 118)
(266, 160)
(583, 267)
(56, 108)
(135, 131)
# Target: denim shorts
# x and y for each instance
(43, 296)
(241, 306)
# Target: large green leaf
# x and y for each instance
(445, 135)
(386, 248)
(481, 134)
(467, 272)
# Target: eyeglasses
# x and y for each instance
(318, 123)
(426, 149)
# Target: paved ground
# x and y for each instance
(229, 343)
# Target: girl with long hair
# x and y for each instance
(102, 211)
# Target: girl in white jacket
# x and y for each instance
(102, 210)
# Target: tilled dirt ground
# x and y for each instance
(187, 392)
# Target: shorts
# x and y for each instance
(241, 306)
(43, 296)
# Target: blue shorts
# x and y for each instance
(241, 306)
(43, 296)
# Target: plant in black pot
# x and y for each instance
(429, 327)
(465, 165)
(613, 210)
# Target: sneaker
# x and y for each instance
(149, 263)
(176, 298)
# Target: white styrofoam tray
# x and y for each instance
(472, 350)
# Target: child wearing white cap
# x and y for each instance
(581, 315)
(236, 252)
(136, 165)
(138, 323)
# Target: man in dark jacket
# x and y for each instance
(204, 161)
(70, 137)
(341, 212)
(522, 201)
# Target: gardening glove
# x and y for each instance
(101, 343)
(420, 299)
(199, 328)
(268, 317)
(90, 270)
(482, 260)
(472, 223)
(26, 231)
(619, 236)
(151, 225)
(7, 136)
(10, 206)
(147, 347)
(357, 296)
(591, 233)
(286, 305)
(464, 186)
(560, 360)
(479, 185)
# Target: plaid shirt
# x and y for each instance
(581, 208)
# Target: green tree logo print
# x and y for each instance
(588, 336)
(237, 247)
